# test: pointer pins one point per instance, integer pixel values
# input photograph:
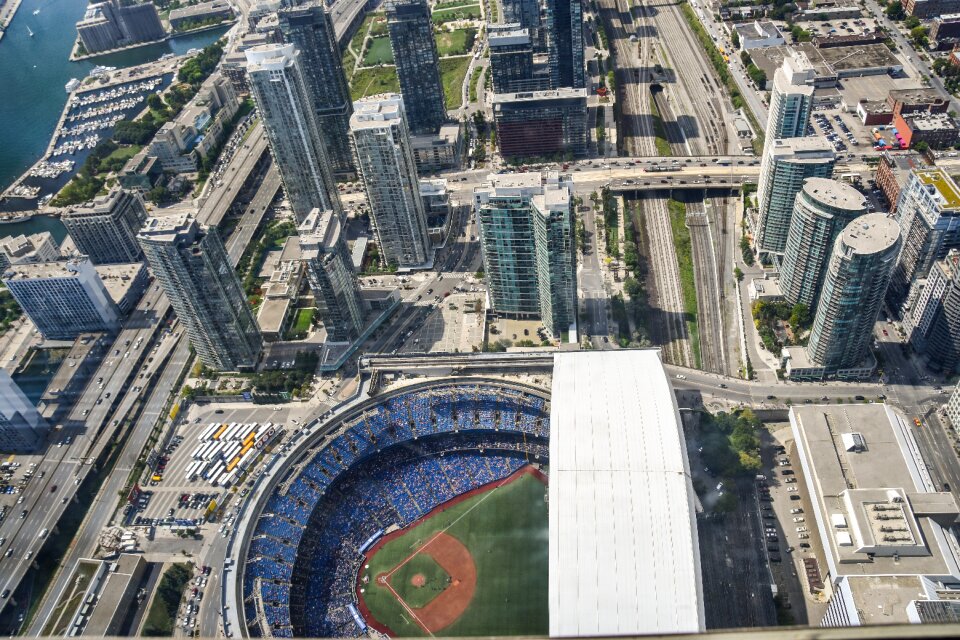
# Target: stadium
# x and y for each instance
(426, 510)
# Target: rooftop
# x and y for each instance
(863, 56)
(271, 314)
(616, 487)
(118, 278)
(268, 57)
(508, 38)
(810, 148)
(375, 112)
(931, 122)
(758, 29)
(200, 9)
(563, 93)
(943, 183)
(46, 270)
(872, 233)
(875, 505)
(919, 95)
(168, 228)
(834, 194)
(319, 230)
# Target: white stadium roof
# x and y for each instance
(624, 557)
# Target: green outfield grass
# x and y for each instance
(505, 531)
(379, 52)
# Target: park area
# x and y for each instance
(475, 566)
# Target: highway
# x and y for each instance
(214, 208)
(65, 466)
(253, 215)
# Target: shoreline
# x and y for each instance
(7, 16)
(170, 36)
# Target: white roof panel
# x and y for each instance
(624, 558)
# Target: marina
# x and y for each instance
(38, 88)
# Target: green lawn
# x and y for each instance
(452, 73)
(466, 12)
(379, 52)
(505, 530)
(452, 43)
(453, 4)
(301, 323)
(367, 82)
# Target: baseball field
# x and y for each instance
(475, 566)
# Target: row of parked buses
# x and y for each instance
(226, 450)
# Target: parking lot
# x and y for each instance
(174, 499)
(789, 526)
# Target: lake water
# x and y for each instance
(34, 69)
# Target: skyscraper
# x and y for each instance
(106, 228)
(821, 211)
(932, 322)
(63, 298)
(308, 27)
(541, 123)
(418, 64)
(563, 22)
(511, 61)
(283, 99)
(191, 264)
(791, 99)
(526, 236)
(929, 216)
(859, 271)
(385, 163)
(330, 272)
(21, 426)
(786, 164)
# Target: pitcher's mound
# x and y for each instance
(418, 580)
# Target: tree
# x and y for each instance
(895, 11)
(919, 36)
(799, 317)
(738, 274)
(735, 38)
(155, 102)
(921, 146)
(726, 503)
(911, 22)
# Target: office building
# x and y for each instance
(932, 318)
(22, 428)
(279, 87)
(333, 281)
(418, 64)
(106, 228)
(563, 23)
(541, 123)
(112, 24)
(192, 265)
(882, 529)
(308, 28)
(37, 247)
(786, 164)
(511, 61)
(791, 98)
(929, 215)
(64, 298)
(855, 285)
(937, 130)
(822, 210)
(526, 237)
(758, 35)
(385, 163)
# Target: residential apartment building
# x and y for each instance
(308, 27)
(563, 24)
(192, 265)
(418, 64)
(822, 210)
(64, 298)
(791, 98)
(932, 319)
(112, 24)
(928, 211)
(386, 165)
(526, 236)
(106, 228)
(926, 9)
(785, 166)
(541, 123)
(893, 173)
(37, 247)
(281, 92)
(856, 282)
(333, 281)
(511, 61)
(181, 144)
